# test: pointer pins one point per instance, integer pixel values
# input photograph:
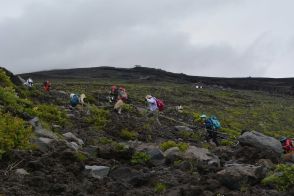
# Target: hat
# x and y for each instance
(203, 116)
(282, 139)
(148, 96)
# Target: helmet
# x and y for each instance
(203, 116)
(282, 139)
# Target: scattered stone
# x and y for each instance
(131, 176)
(71, 136)
(203, 156)
(156, 155)
(21, 171)
(172, 154)
(42, 143)
(183, 128)
(98, 172)
(70, 115)
(234, 175)
(73, 145)
(268, 164)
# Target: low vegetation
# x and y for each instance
(140, 158)
(15, 133)
(282, 178)
(169, 144)
(98, 117)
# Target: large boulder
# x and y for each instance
(40, 131)
(203, 157)
(173, 154)
(235, 175)
(268, 147)
(156, 155)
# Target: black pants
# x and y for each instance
(212, 134)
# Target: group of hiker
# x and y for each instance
(46, 84)
(119, 96)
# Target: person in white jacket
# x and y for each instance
(152, 106)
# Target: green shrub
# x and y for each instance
(159, 187)
(98, 117)
(169, 144)
(80, 156)
(282, 178)
(183, 146)
(128, 135)
(140, 158)
(129, 108)
(5, 80)
(50, 114)
(14, 133)
(105, 140)
(227, 143)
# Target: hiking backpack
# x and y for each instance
(160, 104)
(74, 101)
(215, 122)
(123, 94)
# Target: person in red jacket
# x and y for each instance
(287, 144)
(47, 85)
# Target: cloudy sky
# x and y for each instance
(228, 38)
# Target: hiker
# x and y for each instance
(75, 99)
(47, 86)
(287, 144)
(121, 96)
(29, 82)
(154, 106)
(212, 126)
(113, 94)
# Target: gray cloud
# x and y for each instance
(197, 37)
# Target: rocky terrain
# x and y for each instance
(91, 150)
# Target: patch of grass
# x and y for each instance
(15, 133)
(140, 158)
(5, 80)
(98, 117)
(81, 156)
(105, 140)
(50, 114)
(129, 108)
(128, 135)
(282, 178)
(170, 144)
(160, 187)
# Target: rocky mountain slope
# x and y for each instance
(91, 150)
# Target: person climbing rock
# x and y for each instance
(287, 144)
(212, 126)
(47, 86)
(75, 99)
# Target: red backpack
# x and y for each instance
(160, 104)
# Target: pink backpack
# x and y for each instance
(160, 104)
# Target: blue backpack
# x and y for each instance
(213, 123)
(74, 101)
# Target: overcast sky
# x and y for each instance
(228, 38)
